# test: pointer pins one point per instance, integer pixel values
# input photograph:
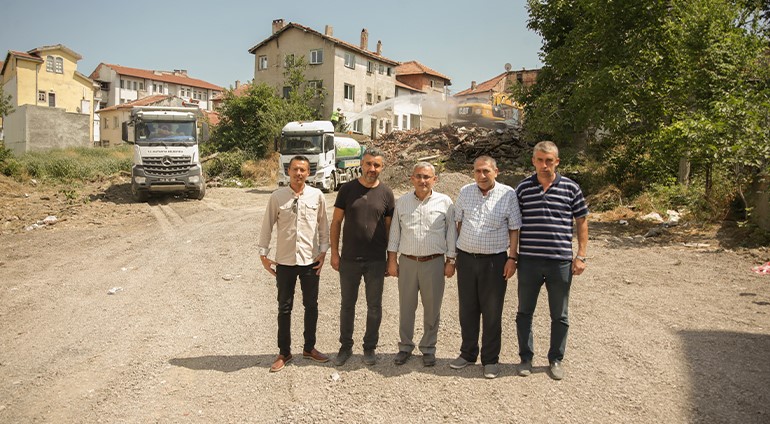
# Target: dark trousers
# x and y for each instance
(557, 277)
(373, 273)
(286, 281)
(481, 288)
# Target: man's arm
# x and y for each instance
(323, 233)
(336, 230)
(579, 266)
(269, 219)
(394, 240)
(513, 256)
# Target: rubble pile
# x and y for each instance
(449, 143)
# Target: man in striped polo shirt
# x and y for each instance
(548, 202)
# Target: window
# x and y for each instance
(141, 86)
(315, 85)
(262, 63)
(49, 64)
(350, 92)
(316, 56)
(105, 123)
(404, 123)
(370, 67)
(122, 84)
(41, 96)
(104, 85)
(155, 88)
(59, 65)
(350, 60)
(52, 99)
(379, 98)
(369, 97)
(134, 85)
(390, 71)
(382, 123)
(286, 92)
(381, 69)
(357, 125)
(289, 61)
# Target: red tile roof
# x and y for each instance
(414, 67)
(164, 76)
(407, 86)
(326, 37)
(483, 87)
(144, 101)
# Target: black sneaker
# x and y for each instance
(401, 357)
(342, 356)
(369, 358)
(428, 360)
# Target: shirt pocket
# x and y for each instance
(310, 211)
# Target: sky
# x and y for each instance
(464, 40)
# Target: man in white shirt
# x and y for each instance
(423, 231)
(298, 212)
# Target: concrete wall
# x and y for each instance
(30, 128)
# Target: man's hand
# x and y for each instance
(268, 264)
(449, 270)
(509, 269)
(336, 261)
(320, 259)
(392, 269)
(578, 266)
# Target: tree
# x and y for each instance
(5, 103)
(655, 83)
(252, 120)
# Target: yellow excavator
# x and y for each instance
(500, 113)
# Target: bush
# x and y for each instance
(67, 165)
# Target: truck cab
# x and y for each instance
(166, 156)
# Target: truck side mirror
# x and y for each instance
(124, 132)
(204, 136)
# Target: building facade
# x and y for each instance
(53, 103)
(358, 81)
(434, 89)
(121, 84)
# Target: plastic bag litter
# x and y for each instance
(762, 269)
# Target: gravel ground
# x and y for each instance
(661, 331)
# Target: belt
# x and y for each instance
(480, 255)
(423, 258)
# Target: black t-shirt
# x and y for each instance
(364, 235)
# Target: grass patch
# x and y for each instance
(68, 165)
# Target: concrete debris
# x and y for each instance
(115, 290)
(653, 216)
(50, 220)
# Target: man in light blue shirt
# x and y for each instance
(423, 231)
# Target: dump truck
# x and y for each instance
(166, 157)
(334, 158)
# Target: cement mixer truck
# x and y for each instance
(334, 159)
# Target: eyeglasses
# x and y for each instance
(294, 205)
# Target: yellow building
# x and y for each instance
(52, 101)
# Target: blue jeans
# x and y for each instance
(286, 281)
(557, 277)
(373, 273)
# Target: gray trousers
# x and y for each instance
(427, 279)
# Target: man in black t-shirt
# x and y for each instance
(366, 205)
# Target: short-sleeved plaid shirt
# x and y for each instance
(486, 220)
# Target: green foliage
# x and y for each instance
(251, 121)
(227, 164)
(647, 83)
(5, 103)
(69, 165)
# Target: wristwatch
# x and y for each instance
(582, 258)
(450, 261)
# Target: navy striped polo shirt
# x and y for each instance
(546, 230)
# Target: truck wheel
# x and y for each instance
(198, 194)
(139, 195)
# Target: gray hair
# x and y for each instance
(488, 159)
(373, 151)
(423, 164)
(546, 147)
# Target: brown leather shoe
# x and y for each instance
(280, 362)
(315, 355)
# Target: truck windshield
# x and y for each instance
(298, 145)
(165, 132)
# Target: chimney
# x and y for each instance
(329, 31)
(182, 72)
(379, 48)
(364, 39)
(277, 25)
(473, 85)
(237, 84)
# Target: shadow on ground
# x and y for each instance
(729, 375)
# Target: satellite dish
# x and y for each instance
(507, 67)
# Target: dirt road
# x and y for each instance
(659, 333)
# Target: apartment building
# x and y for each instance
(484, 92)
(53, 103)
(121, 84)
(360, 82)
(417, 81)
